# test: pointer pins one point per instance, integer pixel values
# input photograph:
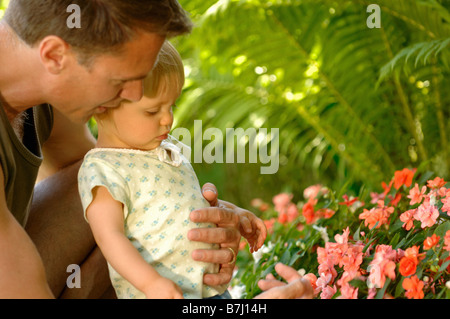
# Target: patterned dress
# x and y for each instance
(158, 189)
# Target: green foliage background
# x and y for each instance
(353, 104)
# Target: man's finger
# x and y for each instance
(215, 235)
(215, 256)
(287, 273)
(265, 284)
(222, 277)
(216, 215)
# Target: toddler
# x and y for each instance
(137, 190)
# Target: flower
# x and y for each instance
(348, 202)
(356, 262)
(403, 177)
(446, 202)
(427, 214)
(281, 202)
(436, 183)
(409, 261)
(413, 287)
(447, 241)
(407, 266)
(381, 266)
(259, 204)
(313, 191)
(415, 195)
(376, 216)
(292, 212)
(408, 219)
(308, 211)
(430, 242)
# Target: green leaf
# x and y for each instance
(442, 229)
(380, 293)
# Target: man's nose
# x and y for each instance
(133, 91)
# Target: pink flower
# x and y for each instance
(408, 219)
(282, 203)
(446, 202)
(313, 191)
(348, 292)
(292, 212)
(376, 197)
(447, 241)
(342, 239)
(415, 195)
(381, 266)
(328, 292)
(427, 214)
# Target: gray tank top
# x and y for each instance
(20, 161)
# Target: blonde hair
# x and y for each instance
(167, 74)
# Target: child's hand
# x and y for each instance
(163, 288)
(252, 229)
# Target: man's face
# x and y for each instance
(110, 79)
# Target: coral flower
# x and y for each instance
(403, 177)
(408, 219)
(431, 241)
(413, 287)
(376, 216)
(407, 266)
(415, 195)
(269, 224)
(348, 202)
(436, 183)
(308, 211)
(447, 241)
(409, 262)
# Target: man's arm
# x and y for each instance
(56, 223)
(67, 144)
(22, 273)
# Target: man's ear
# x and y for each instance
(54, 53)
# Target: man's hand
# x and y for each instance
(295, 288)
(226, 234)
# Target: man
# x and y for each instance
(53, 79)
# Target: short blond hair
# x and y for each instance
(167, 74)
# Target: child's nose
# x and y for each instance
(167, 119)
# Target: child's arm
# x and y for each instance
(252, 229)
(105, 216)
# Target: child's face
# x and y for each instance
(141, 125)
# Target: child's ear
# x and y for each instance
(54, 53)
